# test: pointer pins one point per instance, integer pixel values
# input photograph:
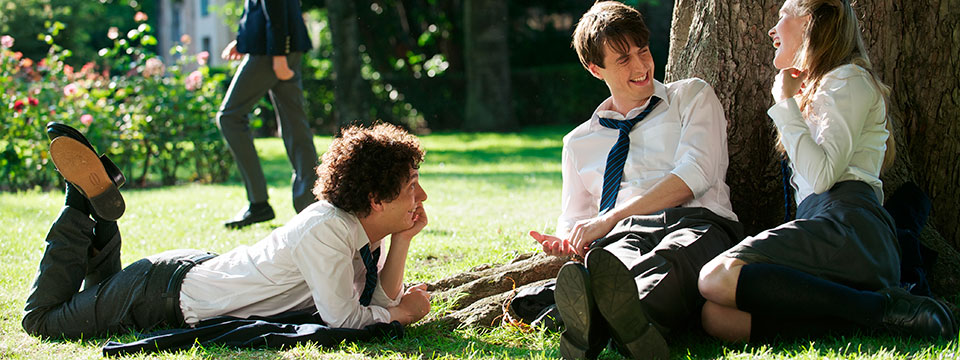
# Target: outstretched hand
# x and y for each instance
(553, 245)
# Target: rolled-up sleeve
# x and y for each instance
(703, 137)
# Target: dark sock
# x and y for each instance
(103, 232)
(76, 200)
(781, 291)
(767, 328)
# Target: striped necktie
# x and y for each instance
(613, 173)
(370, 262)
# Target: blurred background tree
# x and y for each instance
(413, 56)
(400, 61)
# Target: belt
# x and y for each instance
(171, 296)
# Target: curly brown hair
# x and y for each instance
(367, 163)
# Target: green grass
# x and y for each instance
(485, 191)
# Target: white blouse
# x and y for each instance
(841, 137)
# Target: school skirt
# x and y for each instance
(843, 235)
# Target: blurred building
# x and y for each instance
(201, 20)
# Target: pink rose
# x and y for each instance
(70, 90)
(86, 119)
(6, 41)
(113, 33)
(194, 80)
(153, 67)
(18, 105)
(33, 101)
(202, 57)
(140, 16)
(185, 39)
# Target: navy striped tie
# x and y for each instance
(613, 173)
(370, 262)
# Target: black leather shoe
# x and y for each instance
(250, 215)
(94, 176)
(55, 130)
(917, 316)
(586, 334)
(617, 298)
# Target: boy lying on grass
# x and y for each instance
(326, 259)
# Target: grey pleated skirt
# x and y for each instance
(843, 235)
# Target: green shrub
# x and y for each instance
(155, 121)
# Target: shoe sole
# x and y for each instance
(81, 167)
(576, 306)
(616, 295)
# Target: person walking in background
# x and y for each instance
(271, 41)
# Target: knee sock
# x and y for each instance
(781, 291)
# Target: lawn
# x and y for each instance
(485, 191)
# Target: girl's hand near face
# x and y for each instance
(787, 84)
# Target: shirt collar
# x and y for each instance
(659, 90)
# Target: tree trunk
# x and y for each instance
(351, 91)
(489, 102)
(914, 46)
(725, 42)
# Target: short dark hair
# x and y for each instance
(608, 22)
(364, 163)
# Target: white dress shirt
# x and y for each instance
(841, 137)
(685, 135)
(313, 260)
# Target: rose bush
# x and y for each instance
(154, 120)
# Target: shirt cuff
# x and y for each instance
(380, 314)
(785, 112)
(692, 175)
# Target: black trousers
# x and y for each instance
(113, 300)
(665, 252)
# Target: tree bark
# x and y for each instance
(489, 101)
(725, 42)
(351, 91)
(914, 46)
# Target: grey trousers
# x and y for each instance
(665, 251)
(254, 78)
(113, 300)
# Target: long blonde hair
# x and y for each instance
(832, 38)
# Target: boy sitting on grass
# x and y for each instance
(326, 259)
